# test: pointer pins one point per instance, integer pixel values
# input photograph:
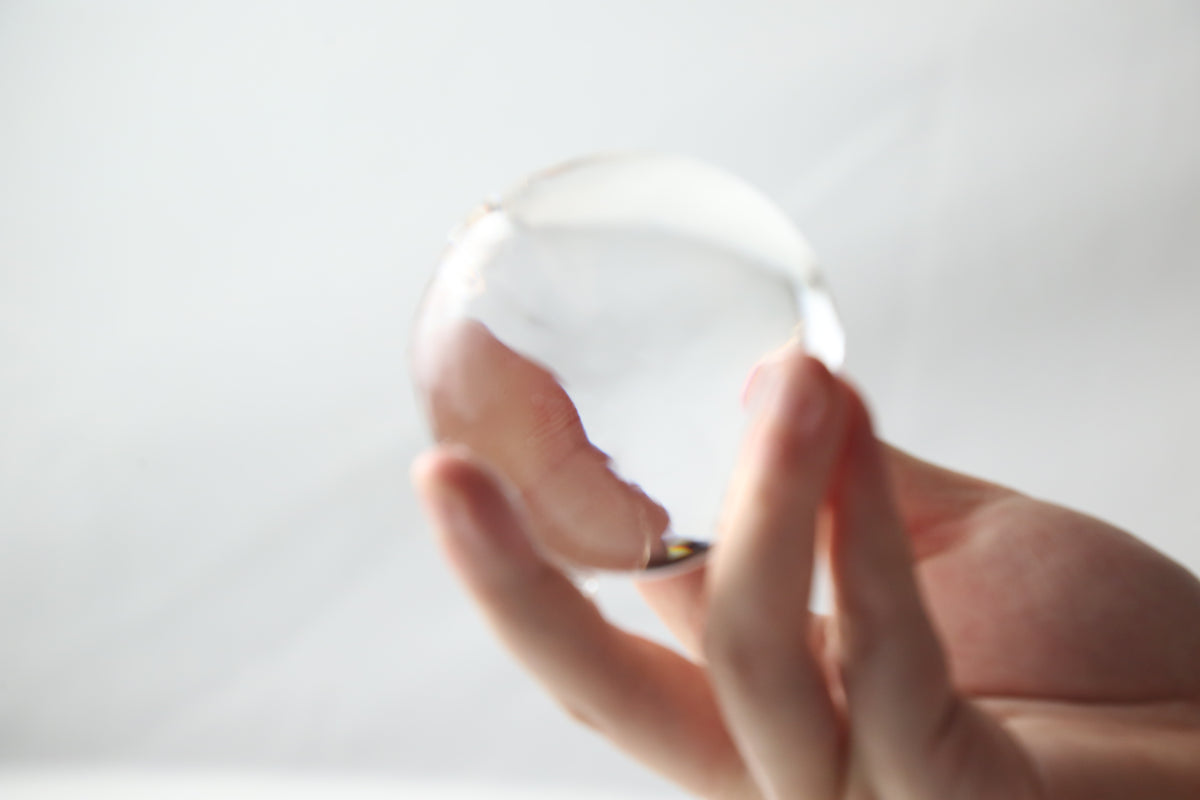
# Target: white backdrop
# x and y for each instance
(216, 220)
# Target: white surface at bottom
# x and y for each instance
(113, 784)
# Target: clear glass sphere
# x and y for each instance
(589, 336)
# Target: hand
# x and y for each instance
(985, 645)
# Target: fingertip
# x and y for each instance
(863, 456)
(477, 520)
(767, 370)
(454, 468)
(860, 423)
(432, 468)
(419, 466)
(868, 548)
(799, 409)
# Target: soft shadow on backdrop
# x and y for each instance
(216, 221)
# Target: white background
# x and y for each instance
(216, 220)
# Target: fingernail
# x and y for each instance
(748, 388)
(804, 402)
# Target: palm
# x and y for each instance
(1040, 603)
(1082, 639)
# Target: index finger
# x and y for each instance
(515, 414)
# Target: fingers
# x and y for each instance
(678, 600)
(934, 504)
(649, 701)
(768, 681)
(515, 415)
(900, 703)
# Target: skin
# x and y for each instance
(985, 644)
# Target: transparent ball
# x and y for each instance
(589, 336)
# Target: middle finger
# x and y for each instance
(768, 681)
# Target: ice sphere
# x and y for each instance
(588, 335)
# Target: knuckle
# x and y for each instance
(745, 649)
(888, 643)
(863, 639)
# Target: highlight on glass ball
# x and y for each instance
(589, 334)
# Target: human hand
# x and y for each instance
(985, 645)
